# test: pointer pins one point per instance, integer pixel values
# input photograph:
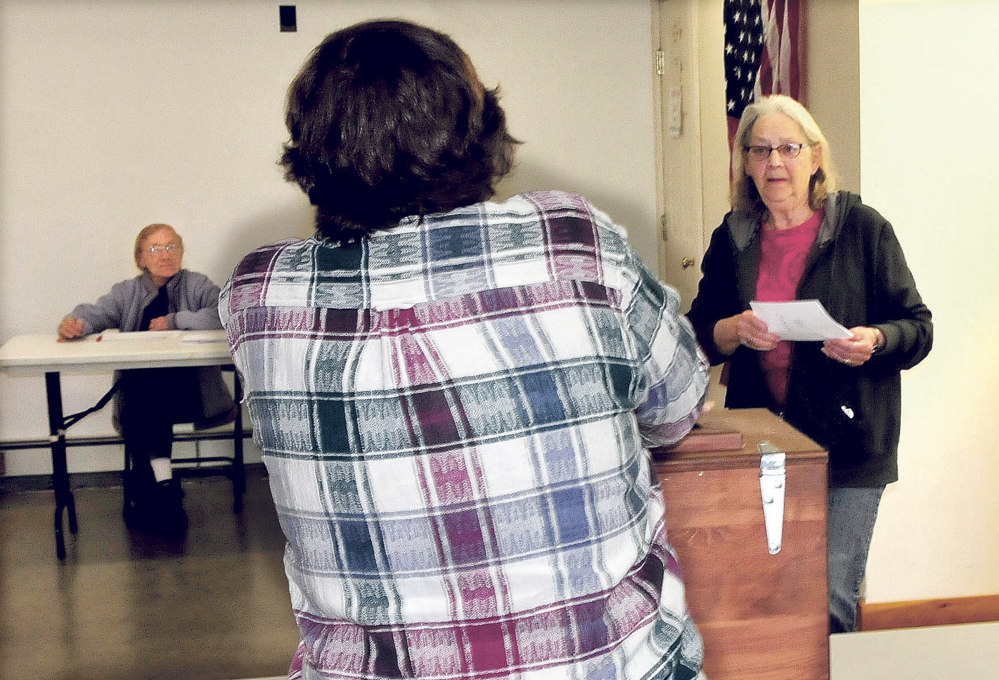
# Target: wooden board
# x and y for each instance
(761, 615)
(947, 611)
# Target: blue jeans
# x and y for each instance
(852, 513)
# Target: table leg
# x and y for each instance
(60, 471)
(238, 471)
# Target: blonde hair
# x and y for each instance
(148, 231)
(743, 193)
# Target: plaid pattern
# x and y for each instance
(454, 415)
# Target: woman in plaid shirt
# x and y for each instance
(454, 398)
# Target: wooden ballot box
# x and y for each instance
(760, 603)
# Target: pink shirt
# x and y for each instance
(783, 254)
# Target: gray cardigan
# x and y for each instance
(193, 305)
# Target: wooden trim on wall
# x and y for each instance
(919, 613)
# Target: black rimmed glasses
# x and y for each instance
(168, 248)
(786, 151)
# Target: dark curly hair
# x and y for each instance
(387, 120)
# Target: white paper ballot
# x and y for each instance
(800, 320)
(204, 337)
(114, 335)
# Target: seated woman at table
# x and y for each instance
(163, 297)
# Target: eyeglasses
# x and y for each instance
(762, 153)
(168, 248)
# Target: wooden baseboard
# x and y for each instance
(919, 613)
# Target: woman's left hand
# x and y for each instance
(856, 350)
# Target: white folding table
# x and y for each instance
(111, 351)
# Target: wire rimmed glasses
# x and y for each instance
(168, 248)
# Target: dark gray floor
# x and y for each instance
(124, 606)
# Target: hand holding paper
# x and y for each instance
(800, 320)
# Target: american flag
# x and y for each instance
(764, 53)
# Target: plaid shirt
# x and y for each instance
(454, 414)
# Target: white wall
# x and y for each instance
(115, 114)
(929, 149)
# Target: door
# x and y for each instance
(692, 136)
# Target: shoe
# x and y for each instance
(173, 518)
(161, 513)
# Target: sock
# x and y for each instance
(161, 469)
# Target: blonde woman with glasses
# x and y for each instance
(164, 296)
(792, 236)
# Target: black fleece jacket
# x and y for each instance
(856, 269)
